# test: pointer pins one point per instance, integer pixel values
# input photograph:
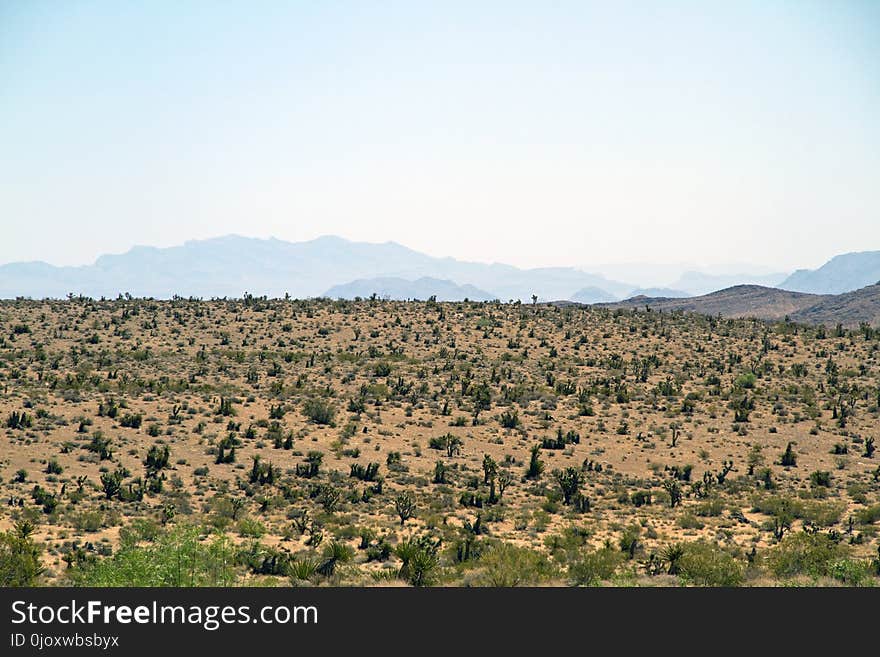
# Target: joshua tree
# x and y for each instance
(111, 482)
(452, 445)
(788, 458)
(440, 471)
(673, 488)
(490, 468)
(570, 481)
(20, 564)
(482, 395)
(405, 506)
(676, 432)
(505, 478)
(536, 465)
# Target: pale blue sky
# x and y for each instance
(568, 133)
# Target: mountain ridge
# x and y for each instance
(849, 309)
(231, 265)
(842, 273)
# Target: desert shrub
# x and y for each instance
(593, 566)
(20, 563)
(176, 558)
(505, 564)
(852, 572)
(868, 515)
(745, 380)
(689, 521)
(157, 458)
(132, 420)
(87, 521)
(319, 411)
(805, 553)
(251, 528)
(140, 529)
(822, 514)
(710, 508)
(705, 564)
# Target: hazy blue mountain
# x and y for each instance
(843, 273)
(697, 283)
(592, 294)
(402, 289)
(737, 301)
(658, 292)
(233, 265)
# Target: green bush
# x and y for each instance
(805, 554)
(505, 564)
(705, 564)
(319, 411)
(88, 521)
(176, 558)
(869, 515)
(594, 566)
(852, 572)
(251, 528)
(20, 563)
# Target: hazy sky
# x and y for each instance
(533, 133)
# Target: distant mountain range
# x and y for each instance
(399, 288)
(849, 309)
(233, 265)
(666, 292)
(591, 294)
(694, 283)
(843, 273)
(738, 301)
(334, 267)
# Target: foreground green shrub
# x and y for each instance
(804, 553)
(705, 564)
(20, 563)
(852, 572)
(505, 564)
(319, 411)
(593, 566)
(176, 558)
(868, 515)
